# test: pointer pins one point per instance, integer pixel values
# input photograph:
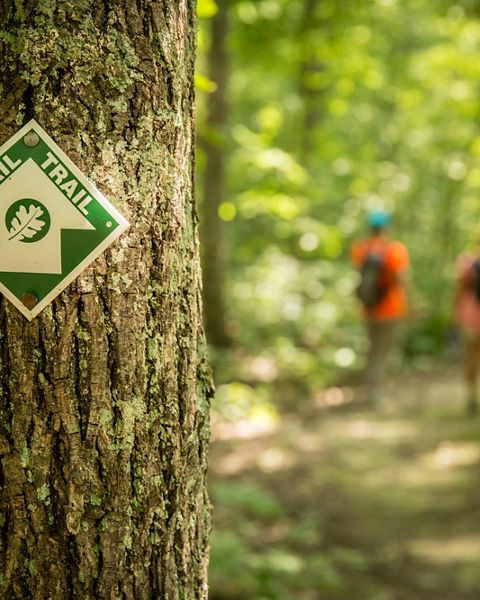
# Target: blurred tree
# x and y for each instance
(311, 70)
(104, 396)
(214, 191)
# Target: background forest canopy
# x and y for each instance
(317, 111)
(333, 109)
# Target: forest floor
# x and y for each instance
(339, 500)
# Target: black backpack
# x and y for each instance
(372, 287)
(476, 278)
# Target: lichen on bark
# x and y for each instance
(104, 397)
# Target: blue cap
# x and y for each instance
(379, 218)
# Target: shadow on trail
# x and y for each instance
(351, 502)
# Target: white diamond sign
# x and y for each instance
(53, 221)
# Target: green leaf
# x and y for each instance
(204, 84)
(26, 223)
(206, 9)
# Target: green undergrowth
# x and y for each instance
(349, 501)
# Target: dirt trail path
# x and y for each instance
(365, 503)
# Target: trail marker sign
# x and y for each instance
(53, 220)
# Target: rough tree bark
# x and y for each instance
(213, 242)
(104, 396)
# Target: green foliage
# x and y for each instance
(206, 8)
(246, 562)
(390, 89)
(236, 400)
(275, 574)
(230, 570)
(335, 108)
(252, 500)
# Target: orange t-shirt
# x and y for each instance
(393, 305)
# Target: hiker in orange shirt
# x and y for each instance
(382, 264)
(467, 317)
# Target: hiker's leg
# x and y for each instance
(395, 345)
(471, 365)
(381, 336)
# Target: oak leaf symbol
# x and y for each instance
(26, 223)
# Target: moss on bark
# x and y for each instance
(104, 396)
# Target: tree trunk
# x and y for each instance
(104, 396)
(310, 68)
(214, 182)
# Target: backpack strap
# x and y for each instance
(380, 249)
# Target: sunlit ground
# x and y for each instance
(339, 494)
